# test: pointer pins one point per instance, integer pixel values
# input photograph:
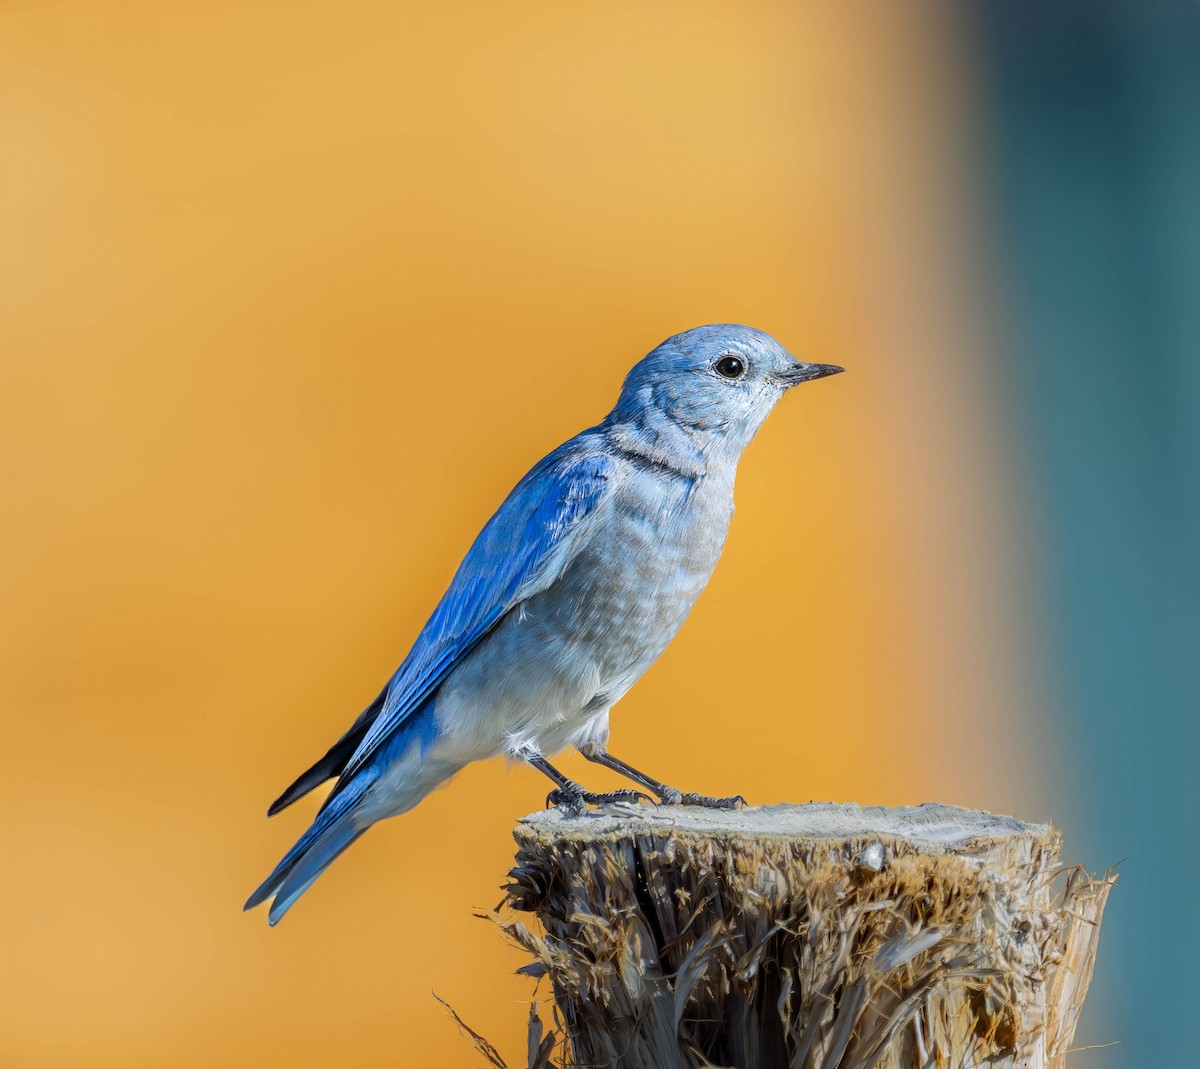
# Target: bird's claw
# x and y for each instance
(570, 801)
(576, 801)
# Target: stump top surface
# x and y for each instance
(930, 826)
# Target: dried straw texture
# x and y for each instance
(805, 937)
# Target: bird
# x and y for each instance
(572, 590)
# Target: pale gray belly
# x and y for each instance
(568, 653)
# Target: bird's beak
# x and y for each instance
(800, 372)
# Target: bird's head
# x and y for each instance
(721, 380)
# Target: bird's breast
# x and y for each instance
(647, 559)
(565, 655)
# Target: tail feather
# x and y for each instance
(341, 819)
(331, 833)
(334, 760)
(329, 766)
(319, 857)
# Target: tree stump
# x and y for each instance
(815, 936)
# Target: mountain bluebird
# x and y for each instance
(571, 591)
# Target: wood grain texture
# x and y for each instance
(817, 936)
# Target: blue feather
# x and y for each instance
(522, 549)
(339, 822)
(332, 831)
(614, 534)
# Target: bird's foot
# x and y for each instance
(575, 800)
(670, 796)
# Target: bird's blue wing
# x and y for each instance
(520, 551)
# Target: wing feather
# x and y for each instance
(520, 551)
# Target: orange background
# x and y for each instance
(293, 293)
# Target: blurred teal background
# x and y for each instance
(1091, 120)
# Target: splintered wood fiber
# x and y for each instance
(805, 937)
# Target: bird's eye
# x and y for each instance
(730, 367)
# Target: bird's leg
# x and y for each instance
(667, 795)
(570, 794)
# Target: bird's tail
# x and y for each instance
(334, 829)
(335, 759)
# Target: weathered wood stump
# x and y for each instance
(804, 936)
